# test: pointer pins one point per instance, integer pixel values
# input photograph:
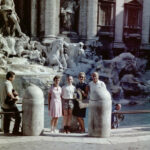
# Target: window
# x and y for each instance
(105, 13)
(106, 18)
(133, 15)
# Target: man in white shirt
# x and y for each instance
(96, 85)
(8, 99)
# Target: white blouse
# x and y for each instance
(68, 91)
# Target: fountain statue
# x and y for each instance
(10, 19)
(68, 12)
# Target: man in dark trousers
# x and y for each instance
(8, 98)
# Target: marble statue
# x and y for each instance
(64, 55)
(68, 11)
(55, 54)
(3, 45)
(19, 47)
(10, 46)
(7, 45)
(75, 53)
(10, 18)
(32, 50)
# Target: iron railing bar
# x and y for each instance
(132, 112)
(10, 112)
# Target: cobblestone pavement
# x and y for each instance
(137, 138)
(49, 145)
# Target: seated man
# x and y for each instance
(8, 99)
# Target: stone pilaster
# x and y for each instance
(119, 24)
(92, 10)
(57, 16)
(83, 19)
(34, 19)
(146, 22)
(42, 19)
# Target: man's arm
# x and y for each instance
(103, 84)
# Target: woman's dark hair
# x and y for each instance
(56, 77)
(68, 76)
(9, 74)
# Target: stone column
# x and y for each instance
(83, 19)
(146, 22)
(119, 24)
(92, 10)
(34, 19)
(51, 19)
(42, 19)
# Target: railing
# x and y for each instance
(2, 113)
(119, 112)
(117, 117)
(132, 112)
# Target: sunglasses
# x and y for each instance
(81, 77)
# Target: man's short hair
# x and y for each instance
(95, 73)
(9, 74)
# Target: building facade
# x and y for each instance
(121, 25)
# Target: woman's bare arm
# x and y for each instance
(49, 100)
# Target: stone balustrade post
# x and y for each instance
(99, 118)
(33, 111)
